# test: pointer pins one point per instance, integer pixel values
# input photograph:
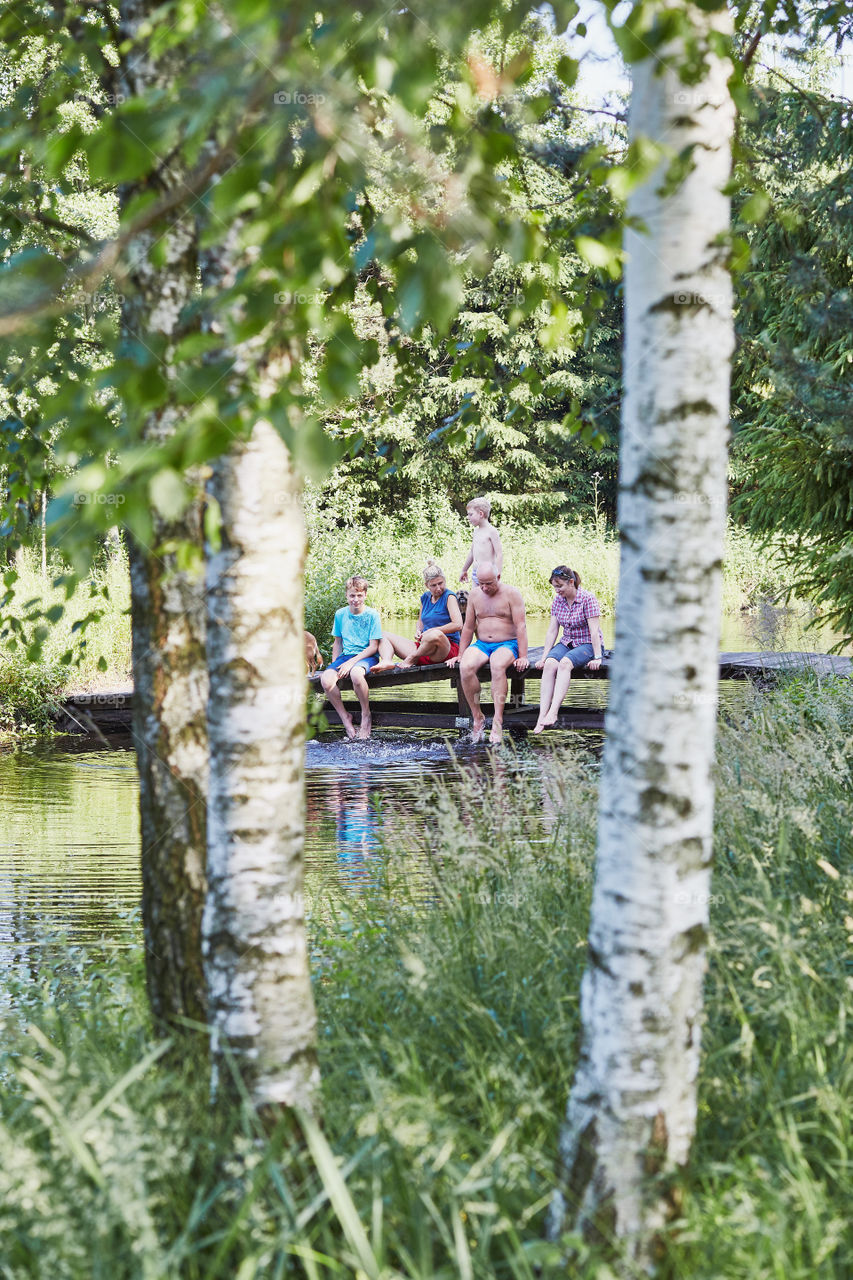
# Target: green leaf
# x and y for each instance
(116, 154)
(196, 344)
(595, 252)
(315, 452)
(169, 495)
(756, 207)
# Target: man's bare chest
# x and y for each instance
(494, 608)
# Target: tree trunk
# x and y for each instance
(632, 1111)
(256, 959)
(168, 620)
(170, 695)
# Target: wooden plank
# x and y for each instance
(111, 710)
(569, 718)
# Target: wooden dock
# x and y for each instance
(110, 713)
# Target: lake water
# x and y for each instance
(69, 825)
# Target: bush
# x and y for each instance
(29, 693)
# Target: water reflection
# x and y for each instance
(347, 788)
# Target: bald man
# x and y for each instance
(496, 612)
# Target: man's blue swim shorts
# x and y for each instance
(488, 646)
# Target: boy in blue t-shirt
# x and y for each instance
(357, 631)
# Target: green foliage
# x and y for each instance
(518, 392)
(793, 373)
(29, 692)
(333, 109)
(447, 994)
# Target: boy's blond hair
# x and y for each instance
(358, 583)
(481, 504)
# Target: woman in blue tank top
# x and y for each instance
(437, 631)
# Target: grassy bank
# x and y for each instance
(448, 1019)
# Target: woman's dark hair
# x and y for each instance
(568, 575)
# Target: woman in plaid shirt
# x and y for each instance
(581, 645)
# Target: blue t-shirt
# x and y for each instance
(357, 629)
(434, 613)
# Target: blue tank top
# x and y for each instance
(434, 613)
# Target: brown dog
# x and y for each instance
(313, 656)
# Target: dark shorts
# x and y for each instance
(366, 663)
(579, 656)
(428, 662)
(488, 647)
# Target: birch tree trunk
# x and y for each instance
(168, 619)
(256, 958)
(632, 1111)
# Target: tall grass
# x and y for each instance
(448, 1007)
(392, 551)
(99, 649)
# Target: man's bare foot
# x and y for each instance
(496, 737)
(477, 727)
(406, 664)
(380, 666)
(364, 728)
(349, 727)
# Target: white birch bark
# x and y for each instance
(632, 1111)
(256, 958)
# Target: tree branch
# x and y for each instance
(798, 88)
(47, 220)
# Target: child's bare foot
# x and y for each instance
(349, 727)
(539, 726)
(549, 720)
(477, 727)
(496, 737)
(379, 667)
(364, 728)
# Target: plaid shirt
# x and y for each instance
(573, 618)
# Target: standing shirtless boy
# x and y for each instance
(485, 541)
(496, 612)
